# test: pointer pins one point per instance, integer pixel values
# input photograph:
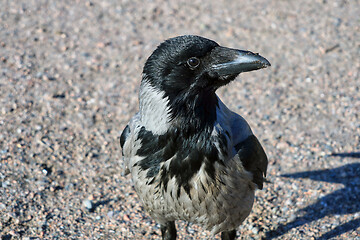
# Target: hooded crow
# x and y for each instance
(190, 157)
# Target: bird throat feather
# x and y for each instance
(176, 137)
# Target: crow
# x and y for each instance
(190, 157)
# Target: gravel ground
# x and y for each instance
(70, 72)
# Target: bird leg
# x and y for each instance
(168, 231)
(229, 235)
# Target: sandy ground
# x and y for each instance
(69, 77)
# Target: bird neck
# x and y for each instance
(154, 109)
(194, 112)
(189, 111)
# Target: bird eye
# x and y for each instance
(193, 62)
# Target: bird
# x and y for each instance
(190, 157)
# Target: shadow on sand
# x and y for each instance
(342, 201)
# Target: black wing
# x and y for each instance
(253, 158)
(123, 137)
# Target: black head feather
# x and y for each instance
(178, 67)
(167, 68)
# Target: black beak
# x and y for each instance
(229, 61)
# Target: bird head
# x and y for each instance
(195, 64)
(189, 69)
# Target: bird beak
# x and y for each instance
(232, 61)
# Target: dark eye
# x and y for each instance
(193, 62)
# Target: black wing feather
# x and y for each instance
(124, 136)
(253, 158)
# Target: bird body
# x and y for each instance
(190, 157)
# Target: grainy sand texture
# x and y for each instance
(69, 78)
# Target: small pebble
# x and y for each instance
(88, 204)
